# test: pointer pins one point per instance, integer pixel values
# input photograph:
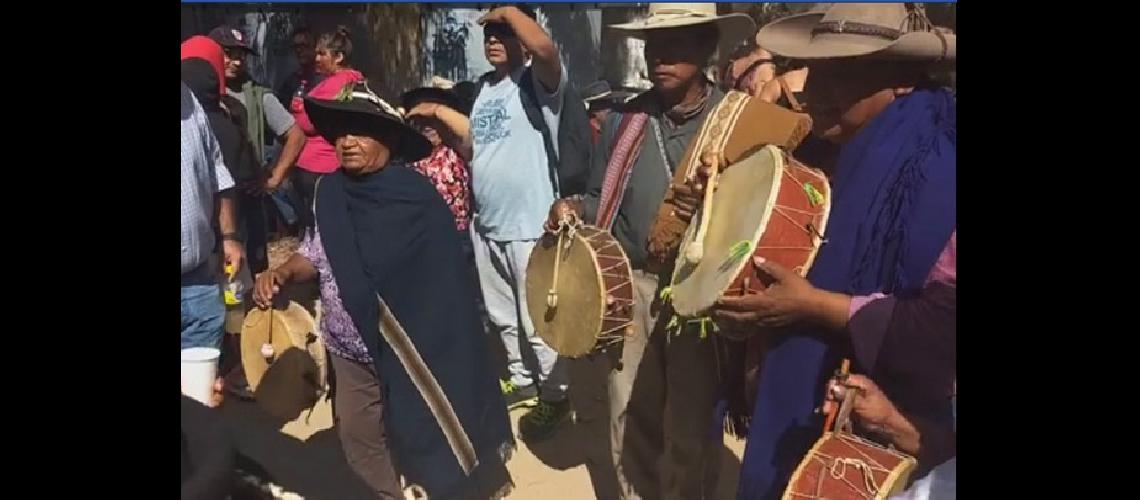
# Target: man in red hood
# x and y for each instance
(204, 48)
(203, 74)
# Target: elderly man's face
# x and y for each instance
(675, 56)
(362, 154)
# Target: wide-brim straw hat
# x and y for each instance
(893, 31)
(733, 27)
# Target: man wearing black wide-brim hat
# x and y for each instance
(387, 255)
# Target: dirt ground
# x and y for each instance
(561, 474)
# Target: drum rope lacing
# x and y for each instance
(812, 193)
(836, 467)
(612, 302)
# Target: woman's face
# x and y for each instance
(328, 61)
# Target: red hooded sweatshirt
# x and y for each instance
(203, 47)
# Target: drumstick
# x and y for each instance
(843, 370)
(565, 226)
(267, 350)
(696, 250)
(552, 294)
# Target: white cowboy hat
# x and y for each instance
(733, 27)
(879, 30)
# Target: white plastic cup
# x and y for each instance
(199, 369)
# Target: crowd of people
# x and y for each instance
(417, 219)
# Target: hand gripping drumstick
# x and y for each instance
(843, 371)
(696, 250)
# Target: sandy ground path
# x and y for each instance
(561, 474)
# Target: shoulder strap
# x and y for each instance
(630, 137)
(789, 94)
(479, 82)
(533, 110)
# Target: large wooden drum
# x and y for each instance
(767, 205)
(579, 289)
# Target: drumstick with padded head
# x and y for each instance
(696, 250)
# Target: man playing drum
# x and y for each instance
(891, 220)
(669, 412)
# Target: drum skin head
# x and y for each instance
(291, 327)
(742, 204)
(572, 326)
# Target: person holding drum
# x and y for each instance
(662, 388)
(415, 393)
(932, 441)
(891, 218)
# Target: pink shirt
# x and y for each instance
(318, 156)
(945, 270)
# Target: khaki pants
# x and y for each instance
(658, 405)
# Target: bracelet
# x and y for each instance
(231, 237)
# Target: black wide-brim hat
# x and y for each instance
(432, 94)
(357, 109)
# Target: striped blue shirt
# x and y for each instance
(203, 175)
